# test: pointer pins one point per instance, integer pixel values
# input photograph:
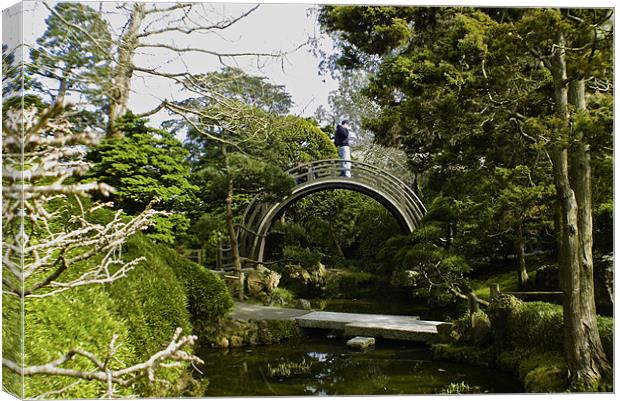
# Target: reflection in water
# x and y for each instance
(390, 368)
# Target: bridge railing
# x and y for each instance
(323, 170)
(365, 173)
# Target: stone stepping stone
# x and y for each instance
(361, 342)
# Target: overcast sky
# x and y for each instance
(272, 28)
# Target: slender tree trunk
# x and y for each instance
(520, 245)
(336, 243)
(122, 73)
(230, 224)
(587, 364)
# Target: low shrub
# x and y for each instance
(153, 303)
(541, 372)
(515, 323)
(541, 321)
(282, 296)
(82, 318)
(208, 297)
(471, 329)
(275, 331)
(11, 342)
(350, 283)
(468, 354)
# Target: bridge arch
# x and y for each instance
(396, 196)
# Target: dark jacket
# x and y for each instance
(342, 136)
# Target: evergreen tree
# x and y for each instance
(147, 165)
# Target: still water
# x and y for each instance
(389, 368)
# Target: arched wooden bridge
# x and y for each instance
(391, 192)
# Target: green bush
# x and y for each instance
(515, 323)
(80, 318)
(153, 303)
(540, 321)
(541, 372)
(11, 342)
(208, 297)
(275, 331)
(283, 296)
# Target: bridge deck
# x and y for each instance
(395, 327)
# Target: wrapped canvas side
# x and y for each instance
(12, 198)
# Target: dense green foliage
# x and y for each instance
(151, 298)
(461, 92)
(147, 165)
(524, 337)
(56, 325)
(339, 227)
(207, 295)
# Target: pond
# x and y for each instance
(333, 369)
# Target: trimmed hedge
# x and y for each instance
(11, 342)
(153, 303)
(162, 293)
(208, 297)
(82, 318)
(537, 325)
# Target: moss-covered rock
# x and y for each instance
(239, 333)
(275, 331)
(471, 329)
(546, 380)
(463, 353)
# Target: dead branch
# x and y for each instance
(173, 355)
(220, 26)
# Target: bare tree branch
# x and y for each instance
(170, 356)
(220, 26)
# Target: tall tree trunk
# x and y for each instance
(520, 245)
(580, 177)
(587, 364)
(230, 224)
(122, 73)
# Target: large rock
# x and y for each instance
(303, 304)
(262, 281)
(361, 342)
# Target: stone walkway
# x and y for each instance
(245, 311)
(396, 327)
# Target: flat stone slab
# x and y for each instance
(393, 327)
(361, 342)
(421, 330)
(245, 311)
(338, 321)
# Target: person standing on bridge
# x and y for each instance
(341, 140)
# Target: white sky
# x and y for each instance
(270, 29)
